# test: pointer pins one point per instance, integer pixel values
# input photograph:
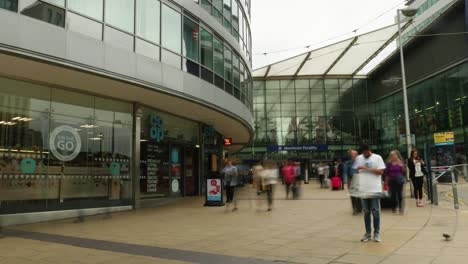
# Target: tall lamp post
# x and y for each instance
(407, 12)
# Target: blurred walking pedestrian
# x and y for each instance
(348, 175)
(417, 171)
(395, 176)
(321, 174)
(270, 179)
(370, 167)
(340, 172)
(257, 179)
(231, 177)
(289, 176)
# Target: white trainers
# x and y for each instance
(366, 238)
(377, 238)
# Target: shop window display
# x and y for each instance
(54, 154)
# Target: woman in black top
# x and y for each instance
(417, 171)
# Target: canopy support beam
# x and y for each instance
(302, 64)
(385, 45)
(267, 71)
(341, 55)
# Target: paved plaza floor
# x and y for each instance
(318, 228)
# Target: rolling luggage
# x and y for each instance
(336, 183)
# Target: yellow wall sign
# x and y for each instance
(446, 138)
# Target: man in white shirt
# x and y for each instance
(370, 166)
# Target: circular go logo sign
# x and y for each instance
(65, 143)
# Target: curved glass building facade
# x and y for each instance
(107, 105)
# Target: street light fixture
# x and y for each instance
(407, 12)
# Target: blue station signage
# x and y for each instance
(299, 148)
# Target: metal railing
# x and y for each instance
(440, 171)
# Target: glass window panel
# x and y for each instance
(302, 96)
(218, 57)
(317, 84)
(228, 87)
(23, 95)
(227, 9)
(206, 42)
(43, 11)
(118, 38)
(331, 84)
(91, 8)
(316, 95)
(227, 64)
(85, 26)
(259, 96)
(235, 15)
(218, 4)
(207, 75)
(235, 62)
(317, 109)
(148, 19)
(170, 58)
(273, 96)
(288, 96)
(219, 82)
(11, 5)
(171, 29)
(218, 16)
(191, 38)
(206, 4)
(270, 108)
(272, 84)
(301, 84)
(332, 95)
(191, 67)
(73, 104)
(227, 25)
(287, 84)
(236, 78)
(147, 49)
(120, 13)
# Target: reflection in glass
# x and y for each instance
(118, 38)
(191, 39)
(227, 10)
(85, 26)
(36, 173)
(148, 19)
(42, 11)
(171, 29)
(120, 13)
(11, 5)
(206, 43)
(227, 64)
(218, 4)
(206, 4)
(91, 8)
(218, 57)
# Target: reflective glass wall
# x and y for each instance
(62, 150)
(161, 31)
(333, 112)
(439, 104)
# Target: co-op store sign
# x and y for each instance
(303, 148)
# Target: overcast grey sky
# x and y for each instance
(287, 24)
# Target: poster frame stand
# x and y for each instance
(214, 203)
